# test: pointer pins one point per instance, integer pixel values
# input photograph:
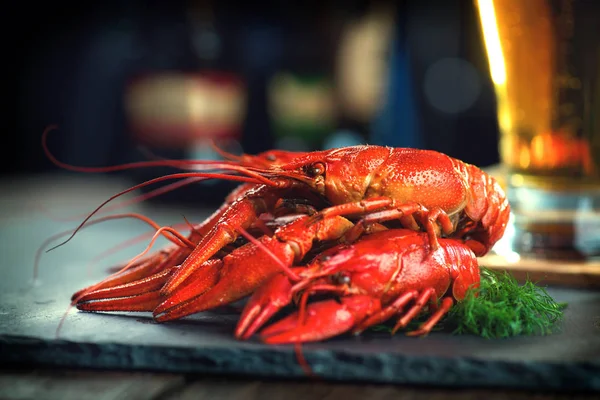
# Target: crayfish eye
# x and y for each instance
(340, 279)
(316, 169)
(271, 157)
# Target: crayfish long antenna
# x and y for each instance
(302, 308)
(149, 154)
(137, 199)
(298, 345)
(162, 162)
(124, 245)
(183, 175)
(179, 239)
(225, 154)
(303, 363)
(197, 165)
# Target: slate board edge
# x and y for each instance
(281, 362)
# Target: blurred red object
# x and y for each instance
(175, 110)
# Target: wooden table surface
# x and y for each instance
(112, 385)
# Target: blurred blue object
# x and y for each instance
(397, 125)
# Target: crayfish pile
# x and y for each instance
(349, 238)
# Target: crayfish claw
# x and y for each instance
(324, 319)
(263, 304)
(142, 302)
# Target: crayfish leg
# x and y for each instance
(397, 307)
(387, 312)
(426, 326)
(380, 209)
(359, 229)
(428, 295)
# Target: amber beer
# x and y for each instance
(544, 62)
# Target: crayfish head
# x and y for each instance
(341, 175)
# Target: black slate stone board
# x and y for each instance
(203, 343)
(30, 314)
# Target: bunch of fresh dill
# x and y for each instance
(502, 308)
(505, 308)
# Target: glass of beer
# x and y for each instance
(544, 59)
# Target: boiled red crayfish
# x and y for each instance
(424, 191)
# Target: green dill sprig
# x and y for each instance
(500, 308)
(504, 308)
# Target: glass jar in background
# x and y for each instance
(544, 59)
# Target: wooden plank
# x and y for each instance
(69, 384)
(318, 390)
(550, 272)
(77, 385)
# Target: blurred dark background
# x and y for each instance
(124, 79)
